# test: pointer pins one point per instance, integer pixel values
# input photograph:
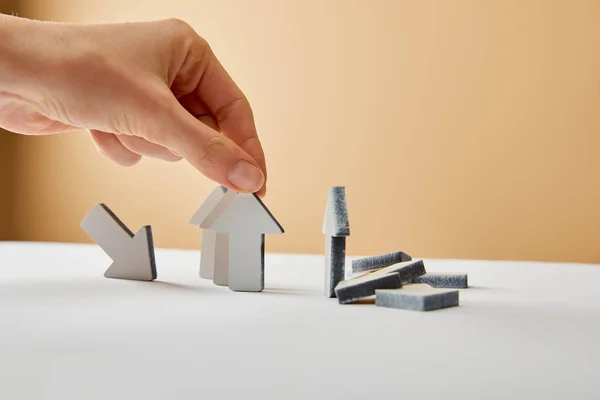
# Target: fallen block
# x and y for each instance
(417, 297)
(439, 280)
(364, 286)
(382, 261)
(407, 271)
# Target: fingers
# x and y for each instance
(111, 147)
(231, 109)
(212, 153)
(128, 150)
(194, 105)
(253, 147)
(145, 148)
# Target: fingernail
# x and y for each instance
(246, 177)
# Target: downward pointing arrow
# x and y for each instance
(132, 255)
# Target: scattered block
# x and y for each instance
(132, 255)
(382, 261)
(408, 270)
(246, 220)
(335, 228)
(351, 290)
(447, 281)
(418, 297)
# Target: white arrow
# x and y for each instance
(247, 220)
(214, 255)
(132, 255)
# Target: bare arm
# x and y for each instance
(141, 89)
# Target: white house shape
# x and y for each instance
(247, 220)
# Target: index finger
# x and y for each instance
(231, 109)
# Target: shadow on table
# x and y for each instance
(177, 286)
(481, 288)
(291, 291)
(86, 289)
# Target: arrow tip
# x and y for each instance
(137, 261)
(336, 222)
(208, 206)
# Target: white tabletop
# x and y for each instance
(523, 330)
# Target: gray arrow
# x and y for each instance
(335, 228)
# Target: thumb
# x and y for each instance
(209, 151)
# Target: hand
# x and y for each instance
(141, 89)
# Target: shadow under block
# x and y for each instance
(417, 297)
(364, 286)
(335, 262)
(407, 271)
(439, 280)
(132, 255)
(381, 261)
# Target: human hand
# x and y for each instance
(141, 89)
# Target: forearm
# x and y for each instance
(13, 60)
(26, 52)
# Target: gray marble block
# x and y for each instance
(439, 280)
(417, 297)
(335, 228)
(381, 261)
(408, 270)
(335, 260)
(336, 221)
(364, 286)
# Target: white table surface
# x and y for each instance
(523, 331)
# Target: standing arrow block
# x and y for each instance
(214, 255)
(246, 219)
(132, 255)
(335, 228)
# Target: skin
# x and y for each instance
(151, 89)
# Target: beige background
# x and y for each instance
(460, 128)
